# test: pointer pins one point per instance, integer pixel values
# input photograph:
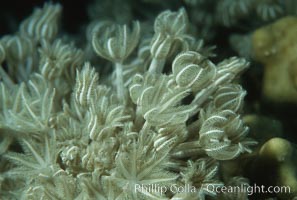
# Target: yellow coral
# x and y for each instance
(275, 46)
(281, 156)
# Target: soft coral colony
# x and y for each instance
(89, 135)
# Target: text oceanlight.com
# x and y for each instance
(174, 188)
(249, 189)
